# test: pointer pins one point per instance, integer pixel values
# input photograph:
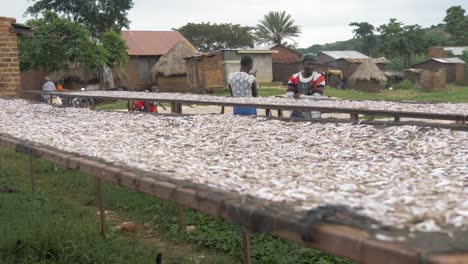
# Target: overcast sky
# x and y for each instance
(320, 21)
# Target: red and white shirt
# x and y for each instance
(307, 86)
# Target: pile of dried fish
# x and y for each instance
(404, 176)
(437, 108)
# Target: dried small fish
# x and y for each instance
(405, 176)
(437, 108)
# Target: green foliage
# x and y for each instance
(36, 229)
(275, 27)
(406, 84)
(365, 31)
(400, 39)
(436, 36)
(97, 16)
(457, 24)
(59, 44)
(115, 47)
(209, 37)
(465, 56)
(352, 44)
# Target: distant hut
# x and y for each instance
(393, 77)
(413, 75)
(104, 78)
(171, 70)
(367, 77)
(450, 65)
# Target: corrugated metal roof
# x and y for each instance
(449, 60)
(457, 51)
(345, 54)
(377, 61)
(266, 47)
(150, 43)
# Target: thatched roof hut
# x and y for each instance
(173, 63)
(75, 77)
(367, 77)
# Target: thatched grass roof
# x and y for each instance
(367, 71)
(172, 63)
(79, 74)
(73, 73)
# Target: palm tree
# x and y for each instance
(275, 27)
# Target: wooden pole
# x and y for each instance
(354, 117)
(396, 119)
(179, 108)
(246, 247)
(31, 175)
(102, 212)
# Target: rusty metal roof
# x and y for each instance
(382, 60)
(449, 60)
(150, 43)
(345, 54)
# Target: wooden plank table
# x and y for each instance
(256, 215)
(176, 106)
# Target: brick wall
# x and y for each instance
(10, 81)
(435, 65)
(282, 71)
(433, 80)
(284, 55)
(206, 73)
(32, 79)
(460, 73)
(436, 52)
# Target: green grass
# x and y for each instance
(37, 228)
(64, 194)
(112, 106)
(454, 93)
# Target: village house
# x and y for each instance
(347, 61)
(367, 77)
(144, 50)
(454, 67)
(441, 52)
(208, 72)
(285, 62)
(170, 72)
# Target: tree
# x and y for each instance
(115, 47)
(96, 15)
(276, 27)
(209, 37)
(457, 24)
(365, 31)
(398, 39)
(464, 56)
(59, 44)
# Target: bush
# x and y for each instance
(407, 85)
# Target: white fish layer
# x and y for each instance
(436, 108)
(405, 176)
